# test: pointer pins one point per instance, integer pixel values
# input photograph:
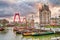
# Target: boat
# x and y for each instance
(19, 32)
(1, 28)
(37, 34)
(15, 28)
(18, 28)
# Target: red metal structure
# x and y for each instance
(17, 14)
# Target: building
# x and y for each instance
(59, 19)
(44, 15)
(55, 21)
(35, 17)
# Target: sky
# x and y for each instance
(9, 7)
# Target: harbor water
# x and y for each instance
(9, 34)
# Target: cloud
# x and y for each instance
(6, 12)
(3, 4)
(55, 12)
(55, 2)
(9, 7)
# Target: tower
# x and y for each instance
(44, 15)
(17, 14)
(25, 21)
(32, 22)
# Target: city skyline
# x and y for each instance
(24, 7)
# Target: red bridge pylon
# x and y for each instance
(17, 14)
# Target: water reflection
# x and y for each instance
(19, 37)
(7, 35)
(10, 35)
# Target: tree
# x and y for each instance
(4, 22)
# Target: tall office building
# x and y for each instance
(44, 15)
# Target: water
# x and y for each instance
(10, 35)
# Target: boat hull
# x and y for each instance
(38, 34)
(1, 29)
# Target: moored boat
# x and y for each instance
(18, 32)
(15, 28)
(1, 28)
(37, 34)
